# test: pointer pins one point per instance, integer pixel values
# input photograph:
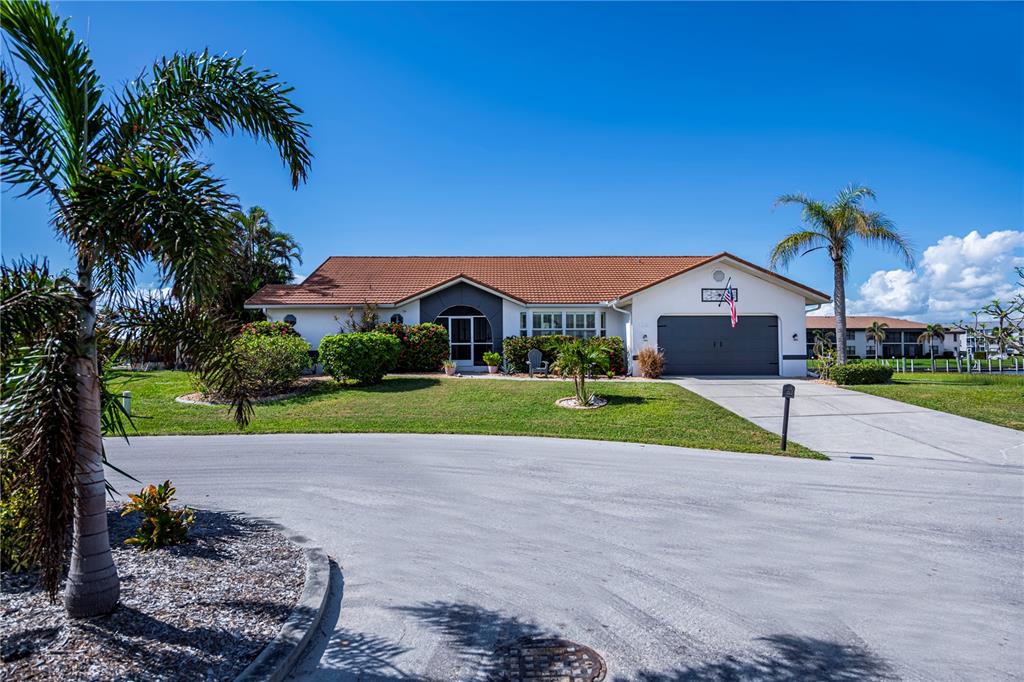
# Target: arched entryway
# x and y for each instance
(469, 334)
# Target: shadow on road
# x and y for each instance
(473, 633)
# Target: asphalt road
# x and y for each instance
(674, 564)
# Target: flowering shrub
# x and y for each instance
(516, 348)
(424, 346)
(364, 357)
(265, 328)
(161, 525)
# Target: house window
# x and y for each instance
(290, 319)
(851, 350)
(547, 324)
(581, 325)
(851, 335)
(397, 319)
(584, 324)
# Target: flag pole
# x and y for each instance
(721, 299)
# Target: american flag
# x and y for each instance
(727, 297)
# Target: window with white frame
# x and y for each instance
(583, 324)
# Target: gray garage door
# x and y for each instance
(708, 344)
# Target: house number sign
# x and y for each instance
(717, 295)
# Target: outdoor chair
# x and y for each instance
(536, 363)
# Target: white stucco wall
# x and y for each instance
(681, 295)
(314, 323)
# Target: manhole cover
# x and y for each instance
(549, 659)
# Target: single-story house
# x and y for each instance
(673, 303)
(900, 337)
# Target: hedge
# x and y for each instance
(860, 373)
(264, 328)
(516, 348)
(271, 363)
(361, 356)
(424, 346)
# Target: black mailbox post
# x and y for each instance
(788, 391)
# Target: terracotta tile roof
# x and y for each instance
(861, 322)
(351, 280)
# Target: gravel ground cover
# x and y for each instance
(198, 611)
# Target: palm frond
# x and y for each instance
(852, 196)
(202, 336)
(165, 209)
(190, 96)
(26, 154)
(63, 72)
(38, 395)
(876, 229)
(794, 245)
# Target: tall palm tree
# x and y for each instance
(261, 254)
(932, 333)
(876, 333)
(120, 173)
(834, 227)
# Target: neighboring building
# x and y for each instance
(970, 345)
(900, 337)
(668, 302)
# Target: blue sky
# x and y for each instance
(605, 128)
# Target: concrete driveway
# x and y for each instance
(674, 564)
(843, 423)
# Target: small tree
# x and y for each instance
(931, 334)
(579, 359)
(876, 334)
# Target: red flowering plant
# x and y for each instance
(266, 328)
(424, 346)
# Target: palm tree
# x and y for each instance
(834, 227)
(579, 358)
(876, 333)
(823, 342)
(260, 255)
(125, 189)
(931, 333)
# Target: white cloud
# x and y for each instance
(298, 279)
(955, 276)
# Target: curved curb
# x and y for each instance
(280, 655)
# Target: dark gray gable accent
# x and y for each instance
(464, 293)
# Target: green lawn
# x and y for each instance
(637, 411)
(994, 398)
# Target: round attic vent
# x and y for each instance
(719, 275)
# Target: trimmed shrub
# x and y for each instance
(862, 373)
(651, 362)
(271, 363)
(515, 349)
(424, 346)
(361, 356)
(264, 328)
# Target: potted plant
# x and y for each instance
(449, 367)
(493, 361)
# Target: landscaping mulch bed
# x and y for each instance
(197, 611)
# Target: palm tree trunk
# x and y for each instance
(93, 587)
(839, 302)
(932, 352)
